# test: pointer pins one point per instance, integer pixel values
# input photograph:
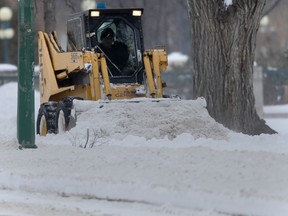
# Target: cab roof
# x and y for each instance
(110, 12)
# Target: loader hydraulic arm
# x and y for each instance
(155, 62)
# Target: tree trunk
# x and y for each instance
(49, 15)
(222, 55)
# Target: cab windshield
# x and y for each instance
(115, 38)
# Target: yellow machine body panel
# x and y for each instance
(56, 65)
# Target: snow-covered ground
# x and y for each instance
(167, 158)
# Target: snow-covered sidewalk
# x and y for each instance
(190, 179)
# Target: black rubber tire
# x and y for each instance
(66, 106)
(47, 111)
(61, 113)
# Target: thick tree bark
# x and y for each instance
(49, 15)
(223, 45)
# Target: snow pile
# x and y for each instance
(159, 119)
(8, 111)
(7, 67)
(148, 119)
(228, 2)
(283, 109)
(8, 95)
(8, 114)
(177, 59)
(165, 119)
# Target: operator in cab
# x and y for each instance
(116, 52)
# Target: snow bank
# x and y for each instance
(7, 67)
(176, 59)
(8, 114)
(228, 2)
(166, 118)
(145, 120)
(282, 109)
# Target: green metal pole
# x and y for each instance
(26, 117)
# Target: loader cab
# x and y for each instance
(92, 29)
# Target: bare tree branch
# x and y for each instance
(49, 15)
(70, 5)
(271, 8)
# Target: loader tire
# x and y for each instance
(46, 119)
(65, 118)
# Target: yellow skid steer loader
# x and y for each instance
(105, 60)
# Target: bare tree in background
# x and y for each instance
(164, 23)
(49, 15)
(222, 55)
(270, 7)
(73, 5)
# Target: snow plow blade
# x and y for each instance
(83, 106)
